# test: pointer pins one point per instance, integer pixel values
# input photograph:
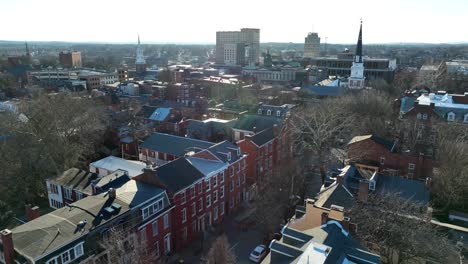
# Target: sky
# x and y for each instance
(196, 21)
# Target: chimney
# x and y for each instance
(32, 212)
(275, 130)
(254, 130)
(8, 249)
(345, 223)
(428, 182)
(363, 192)
(324, 218)
(336, 213)
(248, 137)
(340, 179)
(111, 193)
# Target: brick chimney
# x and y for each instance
(32, 212)
(340, 179)
(275, 130)
(111, 193)
(254, 130)
(324, 218)
(363, 192)
(345, 223)
(8, 250)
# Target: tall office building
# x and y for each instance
(238, 47)
(357, 79)
(312, 45)
(70, 59)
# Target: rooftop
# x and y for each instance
(79, 180)
(174, 145)
(112, 164)
(442, 100)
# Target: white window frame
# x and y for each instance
(208, 201)
(167, 243)
(419, 116)
(208, 184)
(259, 111)
(451, 117)
(200, 187)
(192, 192)
(200, 204)
(215, 196)
(221, 191)
(215, 213)
(184, 214)
(222, 177)
(215, 181)
(183, 197)
(411, 166)
(269, 112)
(154, 228)
(194, 208)
(221, 208)
(67, 193)
(278, 113)
(424, 116)
(166, 221)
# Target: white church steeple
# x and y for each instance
(140, 61)
(357, 79)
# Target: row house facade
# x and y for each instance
(387, 156)
(203, 187)
(72, 234)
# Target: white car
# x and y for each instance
(258, 254)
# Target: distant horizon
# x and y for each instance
(187, 22)
(213, 43)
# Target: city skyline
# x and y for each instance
(398, 21)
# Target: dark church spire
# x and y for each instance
(358, 54)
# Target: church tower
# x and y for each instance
(357, 79)
(140, 61)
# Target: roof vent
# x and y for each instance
(81, 224)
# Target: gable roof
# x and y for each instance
(78, 180)
(223, 149)
(160, 114)
(206, 166)
(413, 190)
(381, 141)
(248, 122)
(178, 174)
(112, 163)
(263, 137)
(174, 145)
(335, 194)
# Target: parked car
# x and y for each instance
(258, 253)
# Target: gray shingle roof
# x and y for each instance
(263, 137)
(173, 145)
(178, 174)
(79, 180)
(385, 143)
(248, 122)
(406, 188)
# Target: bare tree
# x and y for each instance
(49, 135)
(123, 247)
(220, 252)
(277, 194)
(317, 130)
(400, 230)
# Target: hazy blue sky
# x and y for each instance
(196, 21)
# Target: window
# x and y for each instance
(243, 177)
(215, 180)
(166, 221)
(221, 175)
(67, 193)
(424, 117)
(182, 197)
(200, 187)
(231, 186)
(382, 160)
(184, 215)
(238, 198)
(215, 196)
(231, 169)
(215, 213)
(231, 203)
(268, 112)
(238, 181)
(208, 184)
(451, 117)
(152, 208)
(221, 192)
(411, 166)
(154, 227)
(200, 204)
(79, 250)
(167, 243)
(53, 188)
(418, 116)
(184, 234)
(259, 111)
(221, 208)
(65, 257)
(194, 226)
(143, 235)
(238, 167)
(278, 113)
(156, 247)
(208, 201)
(192, 192)
(194, 208)
(465, 119)
(243, 163)
(79, 196)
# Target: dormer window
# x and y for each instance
(450, 117)
(259, 111)
(278, 113)
(268, 112)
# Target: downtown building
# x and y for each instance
(312, 45)
(238, 47)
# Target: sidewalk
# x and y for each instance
(241, 242)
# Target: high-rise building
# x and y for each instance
(357, 79)
(140, 62)
(312, 45)
(70, 59)
(238, 47)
